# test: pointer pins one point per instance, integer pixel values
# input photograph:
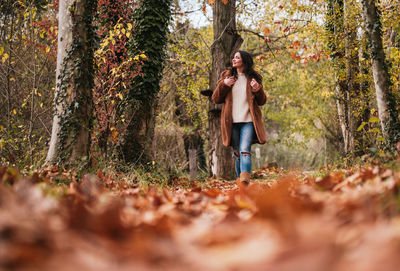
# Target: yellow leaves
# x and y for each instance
(139, 57)
(1, 50)
(114, 134)
(380, 139)
(326, 93)
(14, 111)
(4, 58)
(47, 49)
(374, 119)
(120, 95)
(2, 141)
(361, 126)
(114, 35)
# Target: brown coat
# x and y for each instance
(223, 94)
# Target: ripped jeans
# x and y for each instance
(241, 140)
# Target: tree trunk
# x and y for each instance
(70, 139)
(226, 43)
(395, 43)
(365, 75)
(151, 24)
(335, 28)
(352, 64)
(385, 100)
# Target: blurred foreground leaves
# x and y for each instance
(347, 220)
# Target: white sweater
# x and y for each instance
(240, 106)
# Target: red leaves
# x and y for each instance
(266, 31)
(294, 56)
(295, 44)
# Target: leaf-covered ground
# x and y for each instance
(348, 220)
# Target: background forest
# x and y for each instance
(316, 59)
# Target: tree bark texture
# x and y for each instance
(226, 43)
(386, 103)
(355, 99)
(70, 138)
(335, 27)
(137, 145)
(365, 93)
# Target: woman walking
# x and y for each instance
(240, 89)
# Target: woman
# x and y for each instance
(240, 89)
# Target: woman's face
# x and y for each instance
(237, 61)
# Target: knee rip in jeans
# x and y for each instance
(245, 153)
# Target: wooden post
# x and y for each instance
(193, 163)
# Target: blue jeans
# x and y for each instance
(241, 140)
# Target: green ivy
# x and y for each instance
(77, 71)
(151, 19)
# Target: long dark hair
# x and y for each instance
(248, 64)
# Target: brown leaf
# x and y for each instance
(330, 181)
(212, 193)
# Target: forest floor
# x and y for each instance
(284, 220)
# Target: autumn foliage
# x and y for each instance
(346, 220)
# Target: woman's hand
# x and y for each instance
(254, 84)
(229, 81)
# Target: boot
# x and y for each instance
(245, 178)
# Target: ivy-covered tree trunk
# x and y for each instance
(151, 19)
(226, 43)
(70, 138)
(387, 112)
